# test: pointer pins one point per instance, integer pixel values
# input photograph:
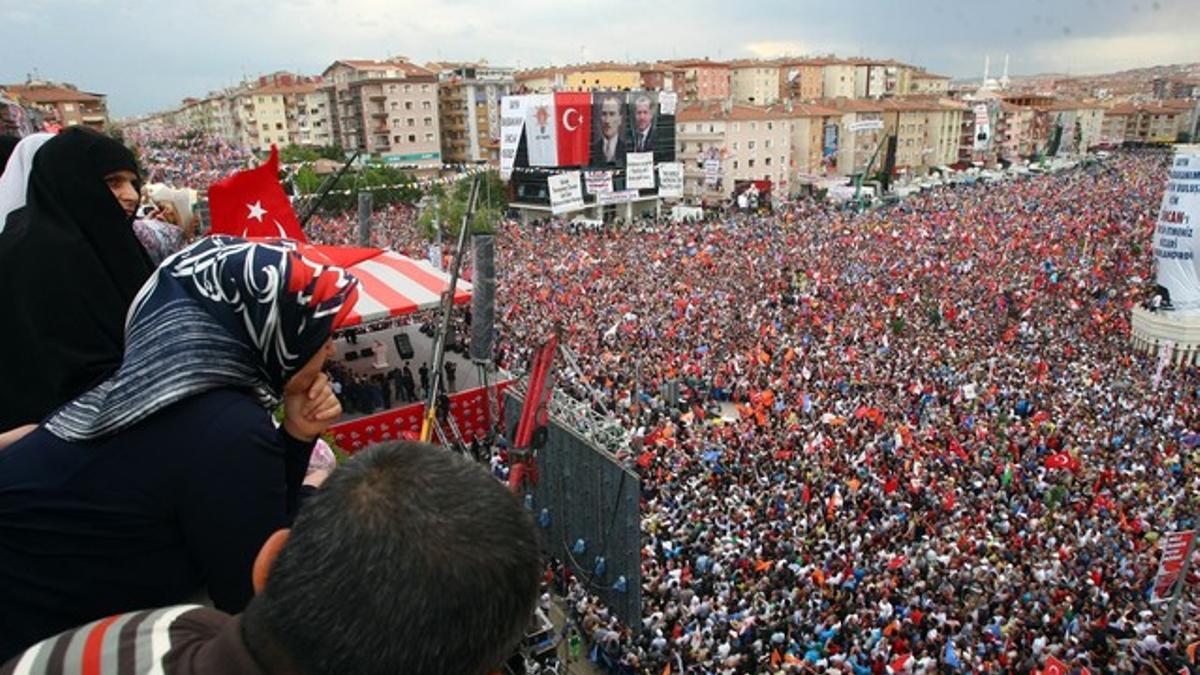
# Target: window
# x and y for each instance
(260, 99)
(395, 105)
(428, 121)
(735, 145)
(407, 88)
(426, 105)
(266, 127)
(749, 145)
(737, 126)
(767, 143)
(412, 138)
(766, 161)
(69, 107)
(396, 139)
(753, 126)
(428, 138)
(735, 162)
(425, 88)
(770, 126)
(412, 122)
(750, 163)
(408, 105)
(274, 99)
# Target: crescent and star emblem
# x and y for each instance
(566, 119)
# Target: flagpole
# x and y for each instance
(313, 202)
(439, 345)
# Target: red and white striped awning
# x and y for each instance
(391, 284)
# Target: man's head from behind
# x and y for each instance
(410, 559)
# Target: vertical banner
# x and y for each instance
(541, 130)
(610, 132)
(639, 170)
(670, 180)
(712, 171)
(983, 128)
(512, 121)
(573, 112)
(565, 193)
(1175, 241)
(598, 182)
(643, 122)
(1175, 546)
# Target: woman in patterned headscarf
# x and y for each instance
(166, 478)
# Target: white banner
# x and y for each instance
(512, 120)
(541, 132)
(598, 181)
(639, 170)
(1175, 547)
(565, 193)
(712, 171)
(621, 197)
(1175, 243)
(670, 179)
(865, 125)
(666, 102)
(983, 128)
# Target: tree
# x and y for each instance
(447, 207)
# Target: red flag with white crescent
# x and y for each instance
(573, 110)
(252, 203)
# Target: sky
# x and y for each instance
(147, 56)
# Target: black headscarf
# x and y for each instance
(7, 143)
(70, 266)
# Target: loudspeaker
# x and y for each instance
(483, 296)
(366, 353)
(403, 346)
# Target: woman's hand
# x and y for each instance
(309, 411)
(13, 435)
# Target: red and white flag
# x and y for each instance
(541, 130)
(252, 203)
(573, 111)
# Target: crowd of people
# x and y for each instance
(913, 439)
(182, 158)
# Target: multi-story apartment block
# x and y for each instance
(586, 77)
(62, 104)
(751, 143)
(837, 78)
(387, 109)
(469, 106)
(810, 129)
(312, 115)
(662, 76)
(927, 133)
(923, 83)
(703, 80)
(800, 80)
(754, 82)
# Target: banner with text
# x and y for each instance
(865, 125)
(565, 193)
(512, 122)
(639, 170)
(1175, 243)
(1175, 547)
(541, 130)
(618, 197)
(670, 180)
(598, 181)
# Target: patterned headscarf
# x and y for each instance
(223, 312)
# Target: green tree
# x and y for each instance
(446, 207)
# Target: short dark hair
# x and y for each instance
(410, 559)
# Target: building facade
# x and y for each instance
(703, 80)
(754, 82)
(62, 104)
(750, 143)
(469, 98)
(386, 109)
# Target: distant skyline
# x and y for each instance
(147, 56)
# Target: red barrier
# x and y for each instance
(469, 409)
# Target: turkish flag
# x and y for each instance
(574, 112)
(1055, 667)
(251, 203)
(1061, 460)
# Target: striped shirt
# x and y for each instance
(179, 639)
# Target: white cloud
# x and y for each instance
(1103, 54)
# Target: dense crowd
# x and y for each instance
(945, 454)
(182, 159)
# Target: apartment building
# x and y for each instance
(749, 142)
(469, 98)
(602, 76)
(259, 118)
(662, 76)
(800, 80)
(1081, 123)
(927, 133)
(387, 109)
(810, 130)
(924, 83)
(837, 78)
(754, 82)
(703, 80)
(62, 104)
